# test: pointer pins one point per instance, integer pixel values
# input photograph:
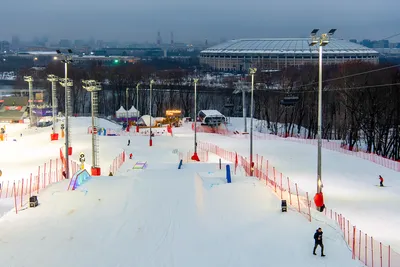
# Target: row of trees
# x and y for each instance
(361, 101)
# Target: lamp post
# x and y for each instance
(195, 156)
(151, 103)
(252, 72)
(137, 107)
(29, 80)
(242, 87)
(127, 108)
(94, 87)
(322, 41)
(67, 83)
(53, 79)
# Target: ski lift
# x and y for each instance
(289, 101)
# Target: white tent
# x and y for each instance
(145, 120)
(133, 112)
(120, 113)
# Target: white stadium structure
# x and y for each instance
(278, 53)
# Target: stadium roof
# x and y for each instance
(286, 46)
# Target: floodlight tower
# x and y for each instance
(29, 80)
(137, 107)
(243, 87)
(94, 87)
(53, 79)
(151, 103)
(195, 156)
(322, 41)
(252, 73)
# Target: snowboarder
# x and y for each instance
(129, 142)
(380, 181)
(318, 241)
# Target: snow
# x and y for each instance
(162, 216)
(211, 112)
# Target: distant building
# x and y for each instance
(278, 53)
(4, 47)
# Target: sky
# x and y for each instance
(138, 20)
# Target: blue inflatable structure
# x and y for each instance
(79, 178)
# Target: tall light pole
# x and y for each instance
(53, 79)
(94, 87)
(322, 41)
(127, 108)
(252, 72)
(29, 80)
(151, 104)
(243, 87)
(67, 83)
(137, 107)
(195, 156)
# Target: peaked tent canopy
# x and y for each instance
(145, 120)
(120, 113)
(133, 112)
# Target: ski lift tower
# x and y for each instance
(94, 87)
(53, 79)
(29, 80)
(242, 86)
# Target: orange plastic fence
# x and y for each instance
(47, 174)
(187, 157)
(370, 252)
(331, 145)
(117, 162)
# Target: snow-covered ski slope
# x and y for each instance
(162, 216)
(349, 182)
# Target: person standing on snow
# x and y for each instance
(129, 142)
(318, 241)
(380, 180)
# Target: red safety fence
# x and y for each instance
(365, 249)
(117, 162)
(330, 145)
(47, 174)
(187, 157)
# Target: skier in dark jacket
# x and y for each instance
(318, 241)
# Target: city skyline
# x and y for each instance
(133, 21)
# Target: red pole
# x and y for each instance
(290, 194)
(30, 186)
(297, 192)
(281, 188)
(354, 242)
(380, 252)
(51, 161)
(274, 178)
(309, 207)
(44, 176)
(372, 251)
(389, 256)
(15, 200)
(38, 180)
(266, 172)
(8, 185)
(348, 232)
(22, 192)
(359, 245)
(366, 250)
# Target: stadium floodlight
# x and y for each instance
(243, 87)
(195, 157)
(151, 103)
(29, 80)
(53, 79)
(323, 40)
(252, 73)
(94, 87)
(66, 83)
(314, 32)
(137, 106)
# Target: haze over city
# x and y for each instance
(139, 21)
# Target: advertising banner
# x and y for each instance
(43, 112)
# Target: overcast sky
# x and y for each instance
(139, 20)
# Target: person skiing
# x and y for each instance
(130, 156)
(318, 241)
(129, 142)
(380, 181)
